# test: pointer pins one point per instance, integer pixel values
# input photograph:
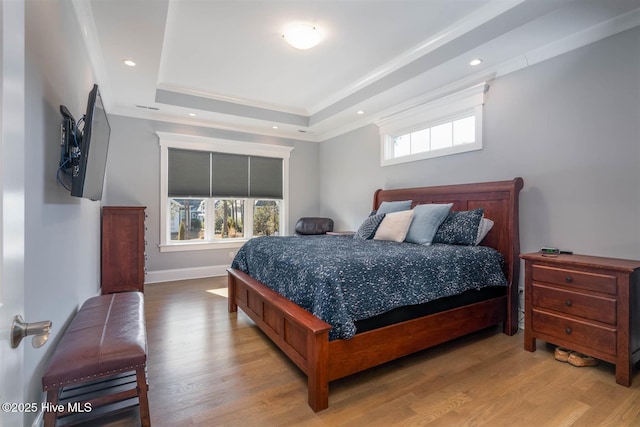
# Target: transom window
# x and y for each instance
(445, 135)
(450, 125)
(217, 193)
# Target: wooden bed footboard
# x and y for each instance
(305, 339)
(300, 335)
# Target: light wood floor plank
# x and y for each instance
(207, 367)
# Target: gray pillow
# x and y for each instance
(426, 220)
(368, 228)
(460, 228)
(388, 207)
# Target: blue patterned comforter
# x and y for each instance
(342, 280)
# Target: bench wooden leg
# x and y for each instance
(51, 416)
(142, 388)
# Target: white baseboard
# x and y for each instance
(159, 276)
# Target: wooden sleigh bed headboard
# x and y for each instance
(499, 200)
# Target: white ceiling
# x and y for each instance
(226, 61)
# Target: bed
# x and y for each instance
(305, 338)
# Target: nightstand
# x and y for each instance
(587, 304)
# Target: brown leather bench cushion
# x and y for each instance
(106, 336)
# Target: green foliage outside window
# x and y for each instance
(266, 218)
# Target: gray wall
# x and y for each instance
(569, 126)
(133, 178)
(62, 237)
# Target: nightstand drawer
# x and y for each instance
(575, 279)
(601, 309)
(573, 331)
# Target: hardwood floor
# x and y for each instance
(207, 367)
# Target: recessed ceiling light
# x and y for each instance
(302, 35)
(274, 127)
(129, 62)
(360, 112)
(475, 62)
(192, 114)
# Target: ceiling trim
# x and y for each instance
(478, 18)
(584, 37)
(258, 130)
(231, 99)
(575, 41)
(87, 23)
(226, 107)
(460, 44)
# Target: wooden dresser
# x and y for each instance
(587, 304)
(123, 249)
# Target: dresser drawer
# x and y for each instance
(574, 331)
(601, 309)
(575, 279)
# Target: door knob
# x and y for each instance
(20, 329)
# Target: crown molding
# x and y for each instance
(87, 24)
(551, 50)
(231, 99)
(480, 17)
(584, 37)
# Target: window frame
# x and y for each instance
(465, 103)
(200, 143)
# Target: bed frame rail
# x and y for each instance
(373, 348)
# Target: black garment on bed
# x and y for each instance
(343, 280)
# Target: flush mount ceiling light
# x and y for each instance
(475, 62)
(129, 62)
(302, 35)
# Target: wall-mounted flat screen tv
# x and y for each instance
(84, 152)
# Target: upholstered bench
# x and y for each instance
(107, 337)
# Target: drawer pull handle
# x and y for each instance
(568, 279)
(568, 303)
(568, 330)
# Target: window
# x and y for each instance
(217, 193)
(450, 125)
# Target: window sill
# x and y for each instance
(458, 149)
(201, 246)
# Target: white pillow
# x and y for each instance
(394, 226)
(483, 229)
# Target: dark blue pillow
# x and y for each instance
(460, 227)
(368, 228)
